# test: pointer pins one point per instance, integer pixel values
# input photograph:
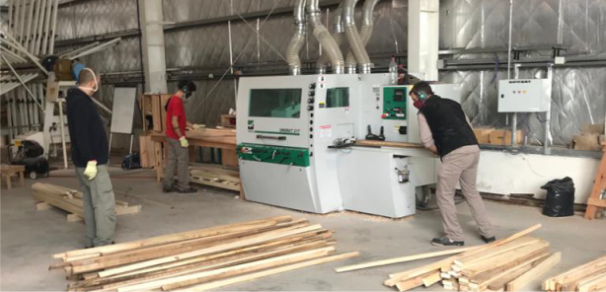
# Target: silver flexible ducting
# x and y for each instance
(338, 35)
(355, 41)
(365, 33)
(298, 39)
(329, 45)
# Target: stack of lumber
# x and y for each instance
(71, 201)
(216, 176)
(202, 259)
(505, 265)
(588, 277)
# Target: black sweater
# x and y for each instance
(86, 130)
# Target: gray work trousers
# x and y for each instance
(461, 166)
(178, 157)
(99, 206)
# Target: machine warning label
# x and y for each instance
(325, 131)
(251, 125)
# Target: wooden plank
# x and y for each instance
(486, 276)
(412, 283)
(229, 158)
(199, 233)
(501, 283)
(598, 186)
(447, 263)
(504, 259)
(272, 235)
(128, 210)
(488, 253)
(371, 143)
(43, 206)
(156, 113)
(163, 101)
(535, 272)
(402, 259)
(193, 278)
(592, 284)
(269, 272)
(143, 151)
(74, 218)
(432, 279)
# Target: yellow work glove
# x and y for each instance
(197, 126)
(183, 142)
(91, 170)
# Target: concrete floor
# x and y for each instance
(30, 237)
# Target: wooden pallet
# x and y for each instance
(215, 176)
(70, 200)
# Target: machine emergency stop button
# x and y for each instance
(385, 116)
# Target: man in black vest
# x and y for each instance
(446, 131)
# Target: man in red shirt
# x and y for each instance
(178, 152)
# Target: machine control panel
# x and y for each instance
(274, 154)
(524, 95)
(394, 103)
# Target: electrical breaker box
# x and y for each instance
(524, 95)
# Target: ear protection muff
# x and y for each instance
(185, 89)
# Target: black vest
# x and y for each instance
(448, 124)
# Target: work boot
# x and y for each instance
(186, 191)
(489, 239)
(445, 241)
(166, 189)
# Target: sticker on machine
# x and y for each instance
(326, 131)
(251, 125)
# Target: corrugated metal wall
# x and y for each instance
(579, 25)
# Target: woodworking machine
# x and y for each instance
(289, 129)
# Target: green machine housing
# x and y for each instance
(394, 103)
(274, 154)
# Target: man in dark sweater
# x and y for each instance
(90, 156)
(446, 131)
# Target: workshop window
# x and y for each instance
(337, 97)
(275, 103)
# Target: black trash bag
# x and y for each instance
(560, 198)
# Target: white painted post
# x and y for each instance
(154, 56)
(423, 37)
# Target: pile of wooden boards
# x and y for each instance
(505, 265)
(71, 201)
(216, 176)
(590, 139)
(499, 137)
(202, 259)
(588, 277)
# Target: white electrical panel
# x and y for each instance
(524, 95)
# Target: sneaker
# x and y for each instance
(489, 239)
(186, 191)
(167, 189)
(445, 241)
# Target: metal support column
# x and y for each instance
(423, 35)
(154, 56)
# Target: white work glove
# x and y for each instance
(91, 170)
(197, 126)
(183, 142)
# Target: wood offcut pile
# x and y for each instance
(505, 265)
(588, 277)
(71, 201)
(202, 259)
